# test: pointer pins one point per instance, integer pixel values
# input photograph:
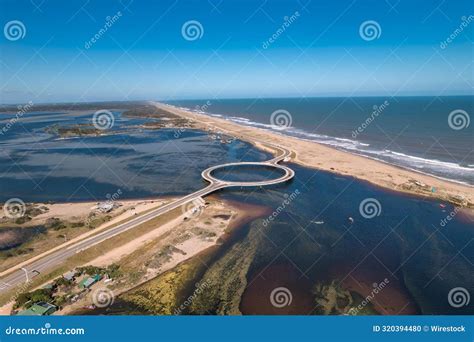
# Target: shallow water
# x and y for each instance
(247, 173)
(37, 166)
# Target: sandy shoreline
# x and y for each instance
(314, 155)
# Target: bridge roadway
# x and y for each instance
(25, 271)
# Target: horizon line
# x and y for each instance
(233, 98)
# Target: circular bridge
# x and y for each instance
(16, 274)
(207, 174)
(273, 163)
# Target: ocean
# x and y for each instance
(416, 133)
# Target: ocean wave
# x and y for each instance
(299, 133)
(433, 167)
(430, 161)
(442, 169)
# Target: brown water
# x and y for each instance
(256, 299)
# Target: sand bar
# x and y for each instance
(314, 155)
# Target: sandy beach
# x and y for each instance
(318, 156)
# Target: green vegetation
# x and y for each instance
(112, 271)
(31, 210)
(26, 300)
(54, 223)
(226, 279)
(60, 291)
(331, 299)
(74, 131)
(164, 294)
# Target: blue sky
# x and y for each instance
(143, 55)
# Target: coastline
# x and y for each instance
(318, 156)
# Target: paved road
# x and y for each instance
(17, 275)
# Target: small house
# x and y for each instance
(69, 276)
(89, 281)
(39, 309)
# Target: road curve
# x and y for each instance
(16, 275)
